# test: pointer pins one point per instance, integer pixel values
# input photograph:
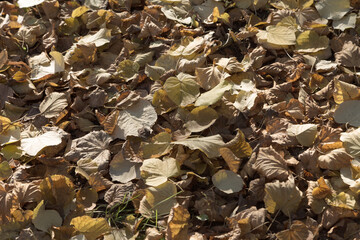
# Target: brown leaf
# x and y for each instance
(98, 182)
(119, 193)
(349, 55)
(335, 159)
(297, 231)
(208, 77)
(332, 214)
(256, 218)
(284, 196)
(231, 159)
(271, 164)
(27, 192)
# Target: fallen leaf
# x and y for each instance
(45, 219)
(201, 118)
(322, 190)
(349, 21)
(349, 55)
(333, 9)
(123, 170)
(351, 142)
(91, 146)
(297, 231)
(92, 228)
(182, 89)
(335, 159)
(5, 170)
(212, 96)
(271, 164)
(208, 145)
(53, 104)
(156, 172)
(284, 196)
(26, 3)
(158, 201)
(310, 42)
(239, 146)
(58, 191)
(230, 158)
(304, 133)
(119, 193)
(345, 91)
(177, 227)
(33, 146)
(227, 181)
(209, 77)
(134, 120)
(347, 113)
(100, 38)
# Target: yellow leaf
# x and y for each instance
(239, 146)
(345, 91)
(79, 11)
(58, 190)
(92, 228)
(215, 14)
(159, 200)
(5, 170)
(177, 228)
(227, 181)
(322, 190)
(310, 42)
(6, 125)
(182, 89)
(230, 158)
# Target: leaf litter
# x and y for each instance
(178, 119)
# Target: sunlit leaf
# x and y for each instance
(284, 196)
(177, 227)
(33, 146)
(45, 219)
(92, 228)
(208, 145)
(53, 104)
(182, 89)
(227, 181)
(156, 172)
(159, 200)
(201, 118)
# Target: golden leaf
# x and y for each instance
(322, 190)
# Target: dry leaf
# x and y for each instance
(335, 159)
(297, 231)
(271, 164)
(92, 228)
(284, 196)
(227, 181)
(178, 223)
(123, 170)
(156, 172)
(158, 201)
(45, 219)
(322, 190)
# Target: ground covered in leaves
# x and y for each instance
(179, 119)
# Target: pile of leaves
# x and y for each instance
(179, 119)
